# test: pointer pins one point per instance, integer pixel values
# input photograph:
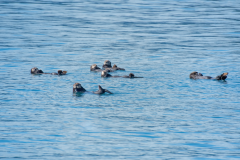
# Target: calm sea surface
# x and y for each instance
(164, 115)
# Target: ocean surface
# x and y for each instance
(164, 115)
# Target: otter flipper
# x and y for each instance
(108, 91)
(222, 76)
(101, 90)
(64, 72)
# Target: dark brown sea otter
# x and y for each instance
(106, 64)
(60, 72)
(105, 75)
(131, 75)
(77, 88)
(196, 75)
(115, 67)
(35, 70)
(95, 68)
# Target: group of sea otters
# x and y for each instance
(107, 67)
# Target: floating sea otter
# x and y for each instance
(60, 72)
(131, 75)
(95, 68)
(105, 74)
(35, 70)
(196, 75)
(107, 65)
(117, 68)
(77, 88)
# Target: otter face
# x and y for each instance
(131, 75)
(103, 74)
(93, 66)
(223, 76)
(60, 72)
(107, 63)
(77, 85)
(193, 75)
(114, 66)
(34, 70)
(78, 88)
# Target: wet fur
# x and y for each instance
(196, 75)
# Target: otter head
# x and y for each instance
(94, 66)
(104, 74)
(60, 72)
(34, 70)
(114, 66)
(107, 63)
(193, 75)
(131, 75)
(77, 87)
(223, 76)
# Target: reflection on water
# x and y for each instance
(164, 115)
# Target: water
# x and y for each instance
(165, 115)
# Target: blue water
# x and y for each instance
(164, 115)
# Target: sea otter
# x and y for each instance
(131, 75)
(77, 88)
(60, 72)
(115, 67)
(35, 70)
(107, 64)
(105, 74)
(196, 75)
(95, 68)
